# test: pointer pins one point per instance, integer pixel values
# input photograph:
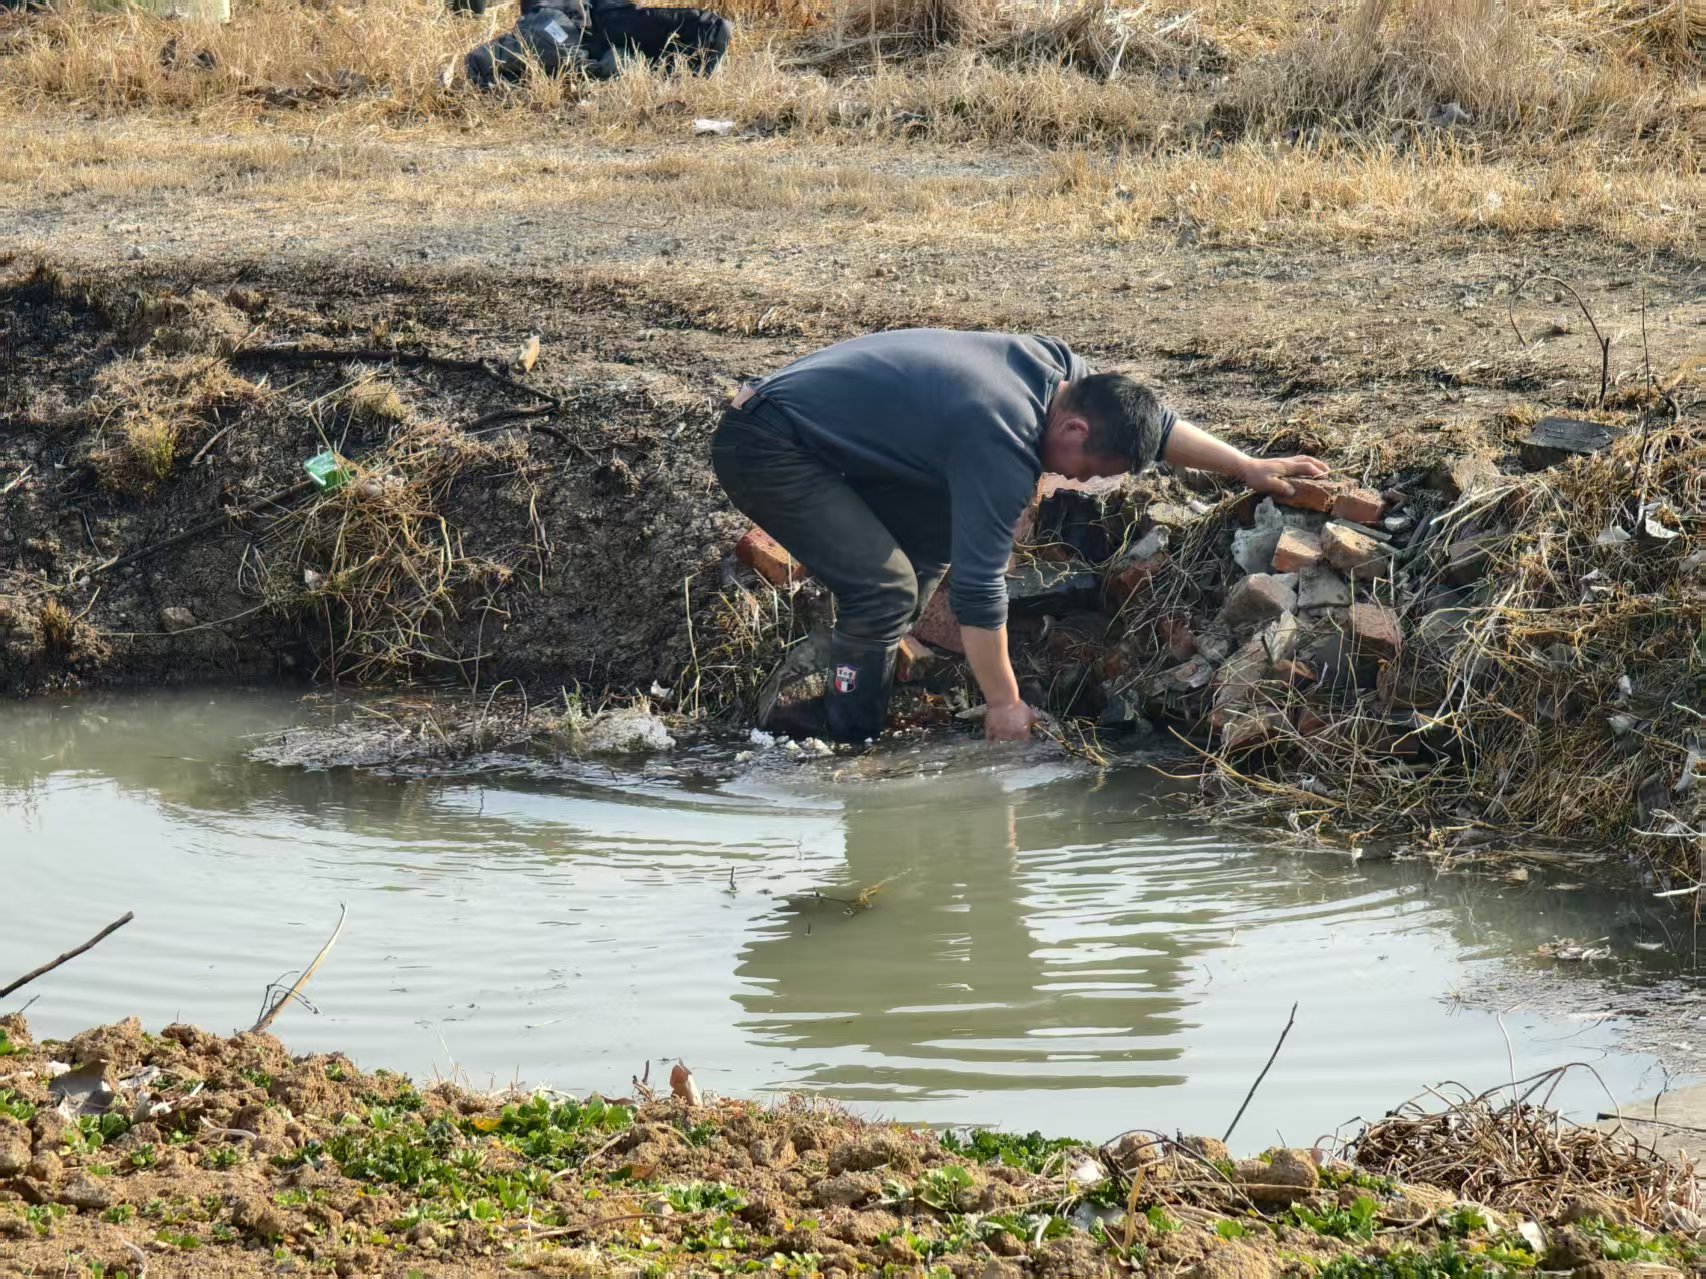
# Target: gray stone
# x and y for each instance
(1557, 439)
(176, 618)
(1051, 588)
(1259, 598)
(1322, 588)
(1186, 677)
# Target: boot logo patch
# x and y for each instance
(846, 678)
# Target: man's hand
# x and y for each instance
(1267, 474)
(1008, 723)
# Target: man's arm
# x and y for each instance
(1193, 447)
(1006, 718)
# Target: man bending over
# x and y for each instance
(879, 461)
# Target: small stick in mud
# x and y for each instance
(1271, 1058)
(277, 1006)
(106, 932)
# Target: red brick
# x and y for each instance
(1133, 578)
(937, 625)
(914, 660)
(1296, 551)
(1353, 553)
(1359, 506)
(1175, 633)
(766, 557)
(1310, 721)
(1376, 631)
(1308, 495)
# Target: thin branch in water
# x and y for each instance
(267, 1017)
(1290, 1021)
(71, 954)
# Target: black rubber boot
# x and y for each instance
(791, 702)
(856, 703)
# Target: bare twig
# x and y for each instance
(278, 1004)
(106, 932)
(1271, 1057)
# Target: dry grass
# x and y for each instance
(987, 69)
(1508, 1150)
(1546, 70)
(145, 410)
(377, 562)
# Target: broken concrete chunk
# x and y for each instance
(1236, 681)
(1253, 547)
(1461, 476)
(1468, 558)
(1215, 642)
(1354, 553)
(1259, 598)
(1051, 588)
(629, 731)
(765, 556)
(1442, 631)
(1557, 439)
(1296, 551)
(1279, 637)
(1322, 588)
(1376, 631)
(1187, 677)
(1359, 506)
(1245, 728)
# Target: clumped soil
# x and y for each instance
(189, 1153)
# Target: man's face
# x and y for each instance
(1066, 451)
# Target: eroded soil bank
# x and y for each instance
(187, 1153)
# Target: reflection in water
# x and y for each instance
(1044, 949)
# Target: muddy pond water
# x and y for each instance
(1048, 949)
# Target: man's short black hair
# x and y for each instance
(1127, 419)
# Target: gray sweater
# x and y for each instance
(958, 414)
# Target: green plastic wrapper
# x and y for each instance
(328, 472)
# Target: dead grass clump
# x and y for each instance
(378, 562)
(144, 410)
(1506, 1149)
(1547, 69)
(198, 324)
(373, 401)
(742, 637)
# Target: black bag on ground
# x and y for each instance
(549, 37)
(658, 34)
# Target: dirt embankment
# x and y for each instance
(183, 1152)
(1476, 637)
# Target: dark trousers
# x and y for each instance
(881, 548)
